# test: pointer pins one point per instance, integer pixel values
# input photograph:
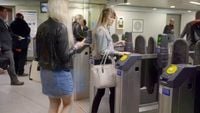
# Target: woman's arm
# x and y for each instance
(64, 51)
(121, 42)
(103, 46)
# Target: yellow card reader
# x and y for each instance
(124, 58)
(172, 69)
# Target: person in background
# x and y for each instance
(187, 30)
(54, 49)
(85, 27)
(21, 38)
(169, 29)
(78, 28)
(6, 46)
(103, 42)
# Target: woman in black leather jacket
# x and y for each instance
(53, 46)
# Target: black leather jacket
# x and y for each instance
(52, 47)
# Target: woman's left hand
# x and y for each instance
(121, 42)
(79, 44)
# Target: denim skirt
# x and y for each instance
(56, 84)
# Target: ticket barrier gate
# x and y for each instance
(128, 84)
(129, 96)
(81, 73)
(81, 69)
(178, 89)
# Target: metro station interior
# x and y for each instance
(160, 75)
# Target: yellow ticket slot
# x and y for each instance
(124, 58)
(172, 69)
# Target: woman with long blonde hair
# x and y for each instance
(54, 46)
(103, 43)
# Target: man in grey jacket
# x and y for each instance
(6, 47)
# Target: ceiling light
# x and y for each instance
(128, 3)
(189, 11)
(154, 9)
(112, 6)
(196, 3)
(172, 6)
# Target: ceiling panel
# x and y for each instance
(179, 4)
(90, 1)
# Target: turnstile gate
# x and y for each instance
(81, 73)
(177, 89)
(128, 84)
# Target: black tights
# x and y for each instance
(98, 97)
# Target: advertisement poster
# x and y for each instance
(120, 23)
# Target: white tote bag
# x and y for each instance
(104, 74)
(34, 72)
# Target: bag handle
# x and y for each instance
(105, 56)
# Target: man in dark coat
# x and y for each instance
(6, 46)
(21, 34)
(169, 29)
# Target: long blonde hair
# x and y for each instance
(103, 18)
(58, 10)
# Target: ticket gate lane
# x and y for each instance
(149, 94)
(125, 84)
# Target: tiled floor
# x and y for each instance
(29, 98)
(21, 99)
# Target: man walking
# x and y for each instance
(6, 46)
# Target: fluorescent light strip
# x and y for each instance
(128, 3)
(196, 3)
(172, 6)
(154, 9)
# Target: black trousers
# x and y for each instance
(20, 61)
(97, 99)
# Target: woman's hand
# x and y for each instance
(79, 45)
(123, 53)
(121, 42)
